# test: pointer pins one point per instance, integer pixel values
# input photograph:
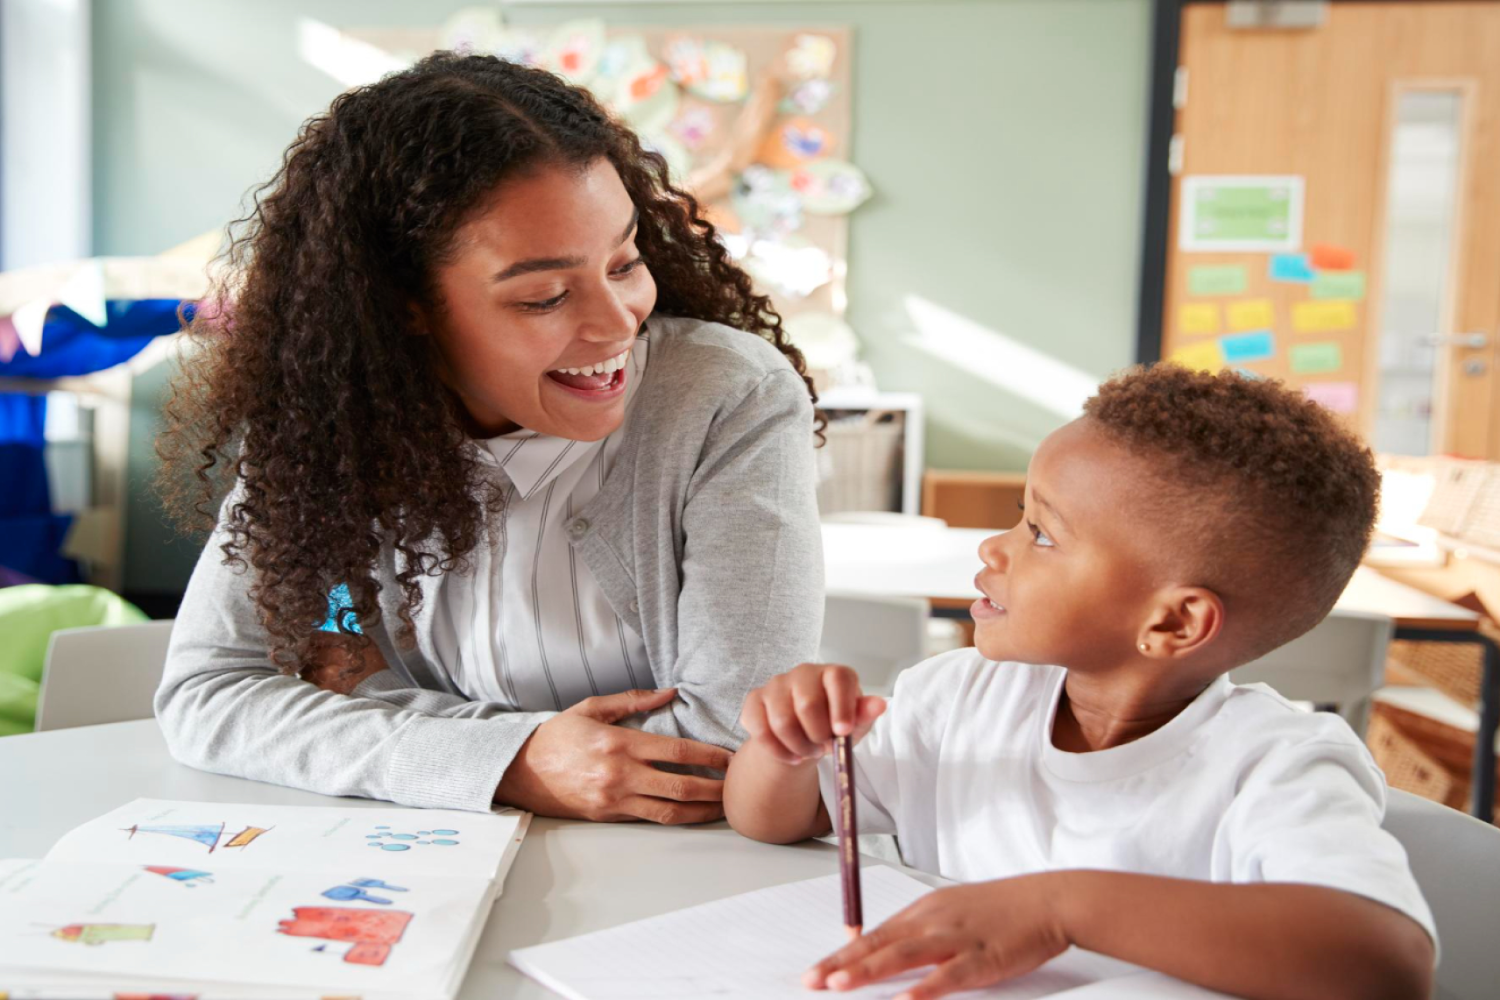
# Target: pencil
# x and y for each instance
(848, 829)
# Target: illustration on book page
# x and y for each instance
(97, 934)
(372, 932)
(188, 877)
(207, 834)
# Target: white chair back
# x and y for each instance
(1456, 860)
(884, 518)
(104, 673)
(1340, 662)
(877, 636)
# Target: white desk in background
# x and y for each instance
(938, 563)
(570, 877)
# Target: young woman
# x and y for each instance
(486, 372)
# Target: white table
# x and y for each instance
(569, 877)
(938, 563)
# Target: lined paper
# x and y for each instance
(756, 947)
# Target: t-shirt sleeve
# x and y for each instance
(895, 765)
(1310, 813)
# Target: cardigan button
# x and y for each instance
(635, 606)
(577, 528)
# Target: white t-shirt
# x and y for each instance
(1240, 787)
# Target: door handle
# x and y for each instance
(1472, 341)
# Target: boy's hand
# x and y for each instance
(975, 934)
(798, 713)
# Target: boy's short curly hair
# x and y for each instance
(1270, 498)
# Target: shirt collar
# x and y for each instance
(533, 460)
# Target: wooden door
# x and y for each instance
(1347, 115)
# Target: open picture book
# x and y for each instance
(221, 900)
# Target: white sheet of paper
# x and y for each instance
(226, 837)
(756, 946)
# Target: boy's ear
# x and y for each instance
(1184, 622)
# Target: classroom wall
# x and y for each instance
(1004, 139)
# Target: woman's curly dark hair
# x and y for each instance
(309, 390)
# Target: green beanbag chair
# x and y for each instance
(29, 614)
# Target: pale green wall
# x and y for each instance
(1004, 139)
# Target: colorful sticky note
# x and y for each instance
(1203, 356)
(1339, 285)
(1257, 346)
(1198, 317)
(1331, 258)
(1251, 314)
(1312, 359)
(1323, 317)
(1340, 397)
(1290, 267)
(1221, 279)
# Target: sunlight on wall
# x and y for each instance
(1009, 364)
(348, 60)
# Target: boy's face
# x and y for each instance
(1073, 582)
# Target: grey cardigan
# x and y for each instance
(704, 539)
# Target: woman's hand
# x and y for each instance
(975, 934)
(336, 668)
(797, 714)
(580, 765)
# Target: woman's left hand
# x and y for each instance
(335, 668)
(975, 934)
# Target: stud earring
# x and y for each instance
(1145, 648)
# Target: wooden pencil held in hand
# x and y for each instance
(848, 829)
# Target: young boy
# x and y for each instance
(1089, 771)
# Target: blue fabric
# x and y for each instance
(31, 545)
(340, 604)
(30, 534)
(71, 345)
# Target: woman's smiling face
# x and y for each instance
(544, 278)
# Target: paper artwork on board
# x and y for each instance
(1240, 213)
(1204, 356)
(830, 187)
(807, 98)
(1327, 257)
(1198, 317)
(1340, 397)
(1323, 316)
(796, 143)
(812, 56)
(1217, 279)
(1348, 285)
(1242, 347)
(1290, 267)
(711, 70)
(1251, 314)
(1316, 359)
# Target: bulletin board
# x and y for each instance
(755, 121)
(1297, 316)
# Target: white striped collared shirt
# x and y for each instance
(529, 626)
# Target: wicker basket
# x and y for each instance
(1422, 742)
(1405, 765)
(860, 465)
(1454, 668)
